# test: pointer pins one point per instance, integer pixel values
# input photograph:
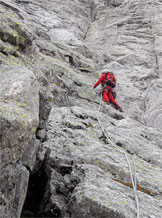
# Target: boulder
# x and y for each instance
(51, 54)
(19, 119)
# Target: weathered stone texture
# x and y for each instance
(19, 119)
(51, 54)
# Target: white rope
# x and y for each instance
(133, 180)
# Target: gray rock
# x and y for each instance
(75, 133)
(19, 106)
(153, 104)
(64, 46)
(97, 196)
(19, 111)
(14, 182)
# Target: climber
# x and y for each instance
(108, 82)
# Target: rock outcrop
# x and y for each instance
(51, 143)
(19, 119)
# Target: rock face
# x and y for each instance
(19, 110)
(51, 54)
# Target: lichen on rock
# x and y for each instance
(51, 54)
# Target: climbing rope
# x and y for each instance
(133, 179)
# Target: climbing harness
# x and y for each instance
(133, 178)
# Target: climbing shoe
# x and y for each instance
(119, 109)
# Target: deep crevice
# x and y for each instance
(36, 188)
(58, 192)
(50, 189)
(93, 12)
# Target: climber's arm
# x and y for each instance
(99, 81)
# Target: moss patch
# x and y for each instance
(12, 112)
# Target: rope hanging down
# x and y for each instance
(133, 179)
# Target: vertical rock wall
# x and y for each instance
(51, 54)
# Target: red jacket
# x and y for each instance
(105, 78)
(107, 92)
